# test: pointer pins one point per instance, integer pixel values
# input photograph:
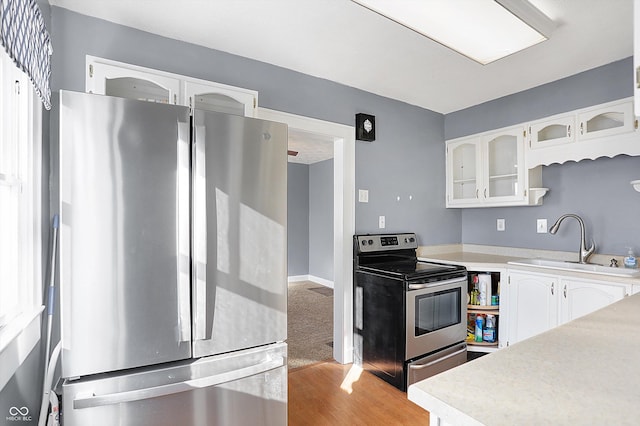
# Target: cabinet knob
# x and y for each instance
(565, 291)
(552, 288)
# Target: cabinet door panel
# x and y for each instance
(220, 98)
(504, 165)
(556, 131)
(532, 305)
(581, 298)
(610, 119)
(121, 82)
(463, 163)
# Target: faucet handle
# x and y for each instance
(614, 263)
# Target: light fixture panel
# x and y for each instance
(483, 30)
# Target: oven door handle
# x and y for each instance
(436, 283)
(436, 361)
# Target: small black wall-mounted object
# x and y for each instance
(365, 127)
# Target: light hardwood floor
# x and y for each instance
(319, 395)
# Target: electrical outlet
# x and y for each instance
(500, 224)
(363, 195)
(381, 222)
(541, 226)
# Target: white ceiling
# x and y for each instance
(311, 147)
(342, 41)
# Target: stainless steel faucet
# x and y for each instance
(584, 252)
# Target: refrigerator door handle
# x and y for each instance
(184, 231)
(87, 401)
(200, 233)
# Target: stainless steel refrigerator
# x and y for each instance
(172, 265)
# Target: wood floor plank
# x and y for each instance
(317, 397)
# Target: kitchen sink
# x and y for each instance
(590, 268)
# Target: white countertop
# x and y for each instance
(585, 372)
(479, 261)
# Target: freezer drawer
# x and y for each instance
(242, 388)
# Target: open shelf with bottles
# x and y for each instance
(489, 311)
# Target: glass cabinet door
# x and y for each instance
(463, 160)
(556, 131)
(104, 79)
(220, 98)
(611, 119)
(504, 163)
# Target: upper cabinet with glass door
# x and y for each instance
(604, 130)
(113, 78)
(504, 171)
(488, 170)
(221, 98)
(609, 119)
(463, 168)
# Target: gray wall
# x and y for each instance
(598, 190)
(407, 157)
(321, 219)
(298, 219)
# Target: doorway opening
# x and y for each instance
(343, 138)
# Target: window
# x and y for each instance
(20, 195)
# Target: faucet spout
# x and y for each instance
(584, 253)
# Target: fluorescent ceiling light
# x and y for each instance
(483, 30)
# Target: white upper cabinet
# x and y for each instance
(463, 168)
(489, 170)
(604, 130)
(113, 78)
(610, 119)
(557, 130)
(504, 171)
(218, 97)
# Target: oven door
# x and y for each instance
(436, 315)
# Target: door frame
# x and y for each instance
(343, 220)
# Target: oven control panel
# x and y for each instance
(384, 242)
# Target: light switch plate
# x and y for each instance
(363, 195)
(541, 226)
(500, 224)
(381, 222)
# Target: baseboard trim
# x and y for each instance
(313, 278)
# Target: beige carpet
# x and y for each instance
(310, 324)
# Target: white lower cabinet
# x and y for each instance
(533, 305)
(539, 302)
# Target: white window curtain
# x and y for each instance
(26, 40)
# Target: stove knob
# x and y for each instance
(364, 242)
(370, 242)
(411, 240)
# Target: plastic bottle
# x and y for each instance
(479, 328)
(489, 333)
(630, 260)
